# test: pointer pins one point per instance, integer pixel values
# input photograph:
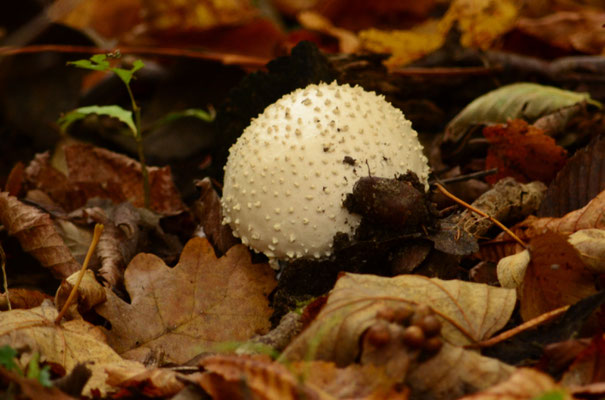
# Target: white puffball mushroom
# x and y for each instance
(289, 172)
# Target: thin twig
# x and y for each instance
(483, 214)
(466, 177)
(95, 239)
(224, 58)
(532, 323)
(3, 262)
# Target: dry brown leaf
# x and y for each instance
(353, 382)
(177, 313)
(66, 344)
(555, 276)
(22, 298)
(37, 235)
(347, 40)
(468, 312)
(578, 182)
(102, 173)
(523, 384)
(141, 381)
(89, 294)
(590, 244)
(570, 30)
(455, 372)
(207, 210)
(588, 367)
(267, 380)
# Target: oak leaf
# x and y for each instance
(176, 313)
(37, 235)
(66, 344)
(468, 312)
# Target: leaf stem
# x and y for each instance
(483, 214)
(140, 150)
(95, 239)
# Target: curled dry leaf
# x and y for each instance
(511, 269)
(207, 210)
(177, 313)
(37, 235)
(90, 293)
(523, 152)
(555, 276)
(524, 383)
(590, 244)
(468, 312)
(66, 344)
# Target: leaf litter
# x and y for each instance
(385, 324)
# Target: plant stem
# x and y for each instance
(3, 263)
(139, 139)
(95, 239)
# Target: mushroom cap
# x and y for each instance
(290, 170)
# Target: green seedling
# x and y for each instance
(132, 119)
(8, 357)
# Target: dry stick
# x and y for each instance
(483, 214)
(532, 323)
(3, 262)
(95, 239)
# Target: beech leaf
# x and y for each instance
(468, 312)
(555, 276)
(177, 313)
(528, 101)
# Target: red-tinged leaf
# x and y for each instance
(555, 276)
(15, 179)
(522, 151)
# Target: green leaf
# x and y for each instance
(528, 101)
(34, 371)
(98, 62)
(126, 74)
(7, 358)
(552, 395)
(116, 112)
(190, 112)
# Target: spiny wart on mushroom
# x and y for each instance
(287, 175)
